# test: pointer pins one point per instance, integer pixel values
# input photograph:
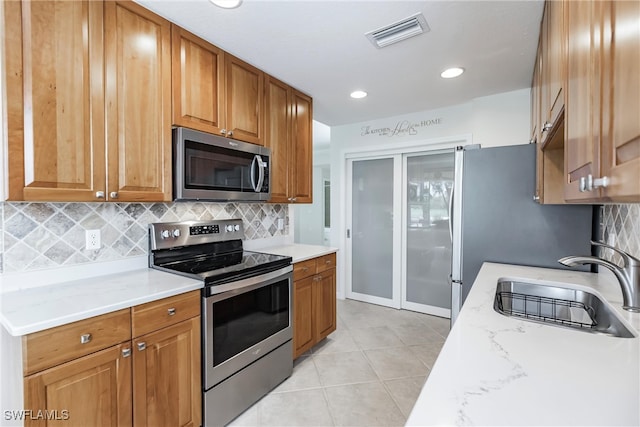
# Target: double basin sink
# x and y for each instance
(558, 306)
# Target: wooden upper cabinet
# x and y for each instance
(301, 166)
(582, 123)
(621, 100)
(138, 97)
(552, 76)
(278, 136)
(88, 101)
(288, 116)
(94, 390)
(197, 71)
(214, 91)
(244, 101)
(55, 99)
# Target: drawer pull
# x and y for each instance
(328, 261)
(126, 352)
(305, 268)
(171, 311)
(85, 338)
(141, 346)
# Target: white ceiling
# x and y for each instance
(319, 47)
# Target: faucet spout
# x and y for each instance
(627, 277)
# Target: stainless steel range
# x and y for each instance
(246, 310)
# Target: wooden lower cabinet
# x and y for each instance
(94, 390)
(166, 380)
(314, 302)
(150, 380)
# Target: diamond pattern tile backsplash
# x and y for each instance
(624, 222)
(36, 236)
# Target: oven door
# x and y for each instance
(243, 324)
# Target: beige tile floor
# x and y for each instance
(369, 372)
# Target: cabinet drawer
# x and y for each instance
(54, 346)
(304, 269)
(154, 315)
(325, 262)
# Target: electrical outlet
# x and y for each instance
(611, 240)
(92, 239)
(280, 224)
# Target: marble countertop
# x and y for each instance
(33, 309)
(498, 370)
(40, 300)
(299, 252)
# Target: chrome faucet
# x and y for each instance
(628, 275)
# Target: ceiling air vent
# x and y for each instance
(398, 31)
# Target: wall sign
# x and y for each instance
(402, 128)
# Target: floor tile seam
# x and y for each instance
(412, 352)
(394, 399)
(326, 402)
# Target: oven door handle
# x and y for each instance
(229, 290)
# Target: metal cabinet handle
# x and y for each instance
(223, 131)
(547, 126)
(126, 352)
(85, 338)
(589, 183)
(99, 194)
(600, 182)
(328, 261)
(536, 198)
(171, 311)
(113, 195)
(141, 346)
(230, 133)
(293, 199)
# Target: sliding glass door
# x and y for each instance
(398, 242)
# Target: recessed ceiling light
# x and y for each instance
(450, 73)
(357, 94)
(227, 4)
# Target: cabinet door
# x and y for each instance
(166, 383)
(277, 136)
(582, 126)
(55, 99)
(621, 100)
(303, 313)
(138, 96)
(197, 70)
(325, 303)
(301, 157)
(554, 66)
(244, 101)
(94, 390)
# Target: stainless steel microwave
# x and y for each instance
(210, 167)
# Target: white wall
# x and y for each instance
(497, 120)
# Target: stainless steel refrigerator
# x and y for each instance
(494, 218)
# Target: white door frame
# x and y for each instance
(395, 299)
(414, 306)
(398, 299)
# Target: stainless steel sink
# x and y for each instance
(558, 306)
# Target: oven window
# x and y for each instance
(209, 167)
(244, 320)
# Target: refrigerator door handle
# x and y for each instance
(451, 214)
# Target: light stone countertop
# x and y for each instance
(32, 309)
(498, 370)
(299, 252)
(32, 302)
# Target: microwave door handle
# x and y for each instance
(261, 165)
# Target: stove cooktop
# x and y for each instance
(208, 250)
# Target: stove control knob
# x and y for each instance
(236, 227)
(176, 232)
(165, 234)
(229, 227)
